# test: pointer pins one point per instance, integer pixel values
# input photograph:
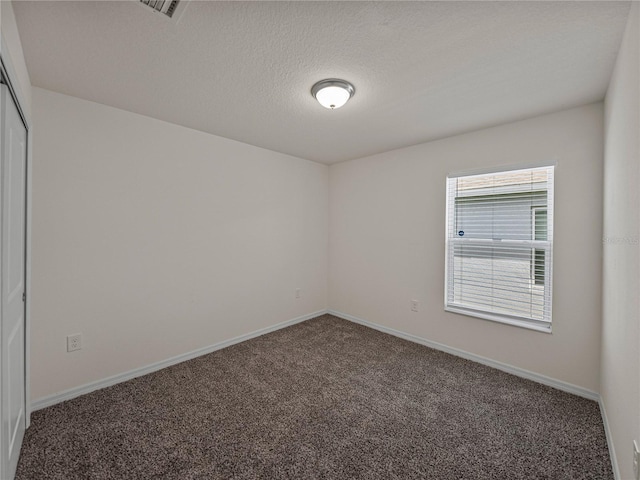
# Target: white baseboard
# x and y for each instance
(520, 372)
(612, 450)
(138, 372)
(123, 377)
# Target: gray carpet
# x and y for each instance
(324, 399)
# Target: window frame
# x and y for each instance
(518, 321)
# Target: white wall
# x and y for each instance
(620, 364)
(387, 241)
(153, 240)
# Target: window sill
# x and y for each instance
(530, 325)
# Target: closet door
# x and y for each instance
(12, 283)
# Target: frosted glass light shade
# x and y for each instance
(332, 97)
(332, 93)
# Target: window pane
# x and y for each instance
(498, 217)
(540, 233)
(497, 280)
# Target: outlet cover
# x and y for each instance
(415, 305)
(74, 342)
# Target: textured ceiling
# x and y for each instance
(243, 70)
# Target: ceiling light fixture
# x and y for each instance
(332, 93)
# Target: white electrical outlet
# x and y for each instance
(415, 305)
(298, 293)
(636, 459)
(74, 342)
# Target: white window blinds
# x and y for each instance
(499, 246)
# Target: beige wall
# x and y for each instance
(620, 364)
(153, 240)
(387, 241)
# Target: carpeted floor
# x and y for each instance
(324, 399)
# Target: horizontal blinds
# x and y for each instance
(168, 7)
(499, 243)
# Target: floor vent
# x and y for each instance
(166, 7)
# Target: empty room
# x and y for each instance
(320, 240)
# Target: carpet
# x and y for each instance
(323, 399)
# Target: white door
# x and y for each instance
(12, 283)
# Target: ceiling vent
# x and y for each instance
(166, 7)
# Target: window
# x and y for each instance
(499, 246)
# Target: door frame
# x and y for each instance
(10, 79)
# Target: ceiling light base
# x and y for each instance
(332, 93)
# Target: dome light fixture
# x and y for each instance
(332, 93)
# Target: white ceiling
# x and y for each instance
(244, 70)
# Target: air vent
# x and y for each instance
(166, 7)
